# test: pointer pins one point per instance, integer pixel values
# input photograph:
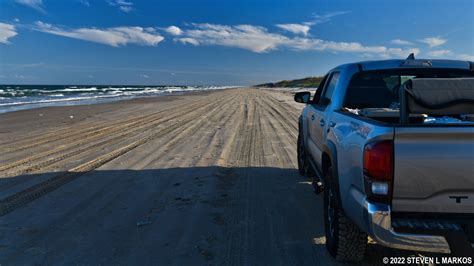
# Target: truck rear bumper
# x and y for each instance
(379, 221)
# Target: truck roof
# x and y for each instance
(407, 63)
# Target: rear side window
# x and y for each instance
(329, 90)
(317, 95)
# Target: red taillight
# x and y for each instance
(378, 170)
(378, 160)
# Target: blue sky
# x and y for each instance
(204, 42)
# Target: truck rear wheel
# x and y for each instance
(304, 167)
(344, 240)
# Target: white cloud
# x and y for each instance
(434, 41)
(259, 40)
(305, 27)
(253, 38)
(188, 41)
(466, 57)
(117, 36)
(123, 5)
(144, 76)
(438, 53)
(349, 47)
(295, 28)
(7, 31)
(173, 30)
(401, 42)
(35, 4)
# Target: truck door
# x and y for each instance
(317, 119)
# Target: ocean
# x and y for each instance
(21, 97)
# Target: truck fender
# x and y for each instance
(301, 128)
(330, 159)
(300, 123)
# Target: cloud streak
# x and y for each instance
(304, 27)
(116, 36)
(188, 41)
(400, 42)
(319, 19)
(7, 31)
(35, 4)
(295, 28)
(434, 41)
(123, 5)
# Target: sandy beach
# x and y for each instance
(205, 178)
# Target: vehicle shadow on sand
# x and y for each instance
(183, 216)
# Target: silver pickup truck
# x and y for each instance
(391, 145)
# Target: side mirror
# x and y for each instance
(302, 97)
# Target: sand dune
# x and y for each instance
(206, 178)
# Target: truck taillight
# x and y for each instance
(378, 170)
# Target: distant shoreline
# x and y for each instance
(309, 82)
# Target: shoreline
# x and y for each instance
(34, 98)
(105, 100)
(144, 98)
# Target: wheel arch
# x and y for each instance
(300, 123)
(329, 160)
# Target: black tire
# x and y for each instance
(344, 240)
(304, 167)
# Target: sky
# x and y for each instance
(216, 42)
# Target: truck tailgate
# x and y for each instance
(433, 170)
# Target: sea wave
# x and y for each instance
(32, 96)
(56, 100)
(75, 89)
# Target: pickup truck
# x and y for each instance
(390, 144)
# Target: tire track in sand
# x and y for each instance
(78, 139)
(75, 130)
(140, 126)
(23, 197)
(248, 152)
